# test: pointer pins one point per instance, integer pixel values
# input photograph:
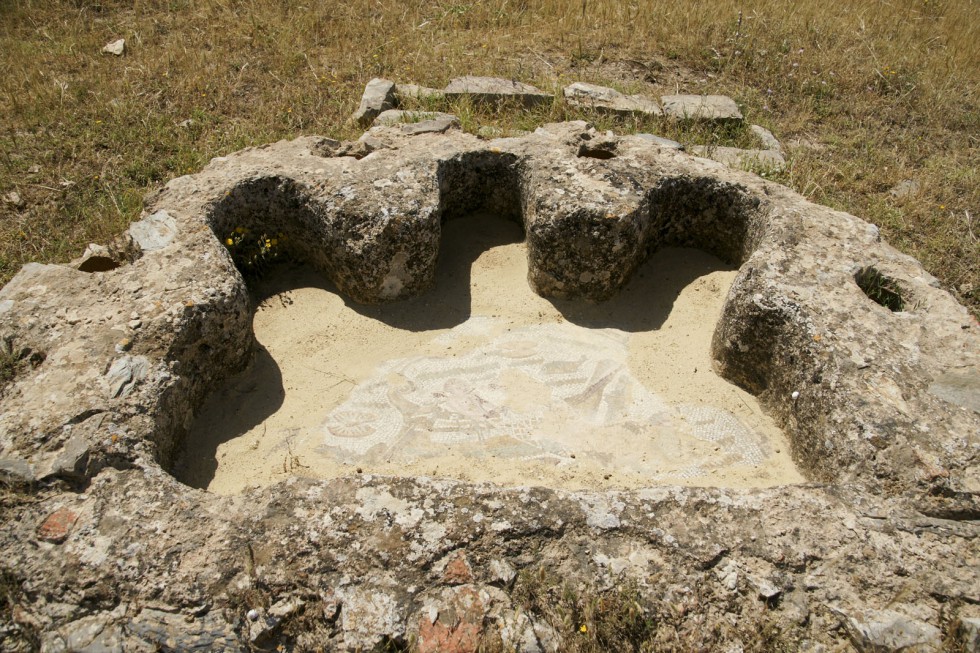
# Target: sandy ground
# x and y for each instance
(482, 380)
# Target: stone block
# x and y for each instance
(701, 107)
(609, 100)
(493, 90)
(378, 96)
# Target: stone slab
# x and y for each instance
(416, 92)
(604, 99)
(701, 107)
(733, 157)
(494, 90)
(417, 122)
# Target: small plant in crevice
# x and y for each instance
(881, 289)
(254, 253)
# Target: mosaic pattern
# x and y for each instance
(537, 392)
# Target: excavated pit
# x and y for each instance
(480, 379)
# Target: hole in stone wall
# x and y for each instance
(880, 289)
(481, 379)
(98, 264)
(595, 152)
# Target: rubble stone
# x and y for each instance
(601, 98)
(378, 96)
(701, 107)
(754, 160)
(493, 90)
(417, 122)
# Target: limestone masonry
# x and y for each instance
(868, 366)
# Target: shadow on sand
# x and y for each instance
(643, 305)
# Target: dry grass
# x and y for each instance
(888, 90)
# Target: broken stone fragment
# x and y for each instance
(661, 141)
(14, 198)
(97, 258)
(117, 47)
(71, 463)
(415, 92)
(458, 571)
(905, 188)
(493, 90)
(15, 471)
(154, 231)
(125, 373)
(379, 95)
(734, 157)
(501, 571)
(609, 100)
(417, 122)
(701, 107)
(769, 142)
(969, 634)
(358, 149)
(887, 630)
(57, 526)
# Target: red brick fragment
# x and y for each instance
(56, 527)
(458, 628)
(458, 571)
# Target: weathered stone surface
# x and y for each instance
(701, 107)
(154, 231)
(415, 92)
(904, 189)
(960, 387)
(378, 96)
(171, 631)
(661, 141)
(601, 98)
(418, 122)
(887, 630)
(887, 523)
(969, 633)
(733, 157)
(493, 90)
(117, 47)
(766, 138)
(15, 471)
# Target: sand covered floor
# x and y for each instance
(482, 380)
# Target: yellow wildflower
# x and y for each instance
(229, 242)
(583, 628)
